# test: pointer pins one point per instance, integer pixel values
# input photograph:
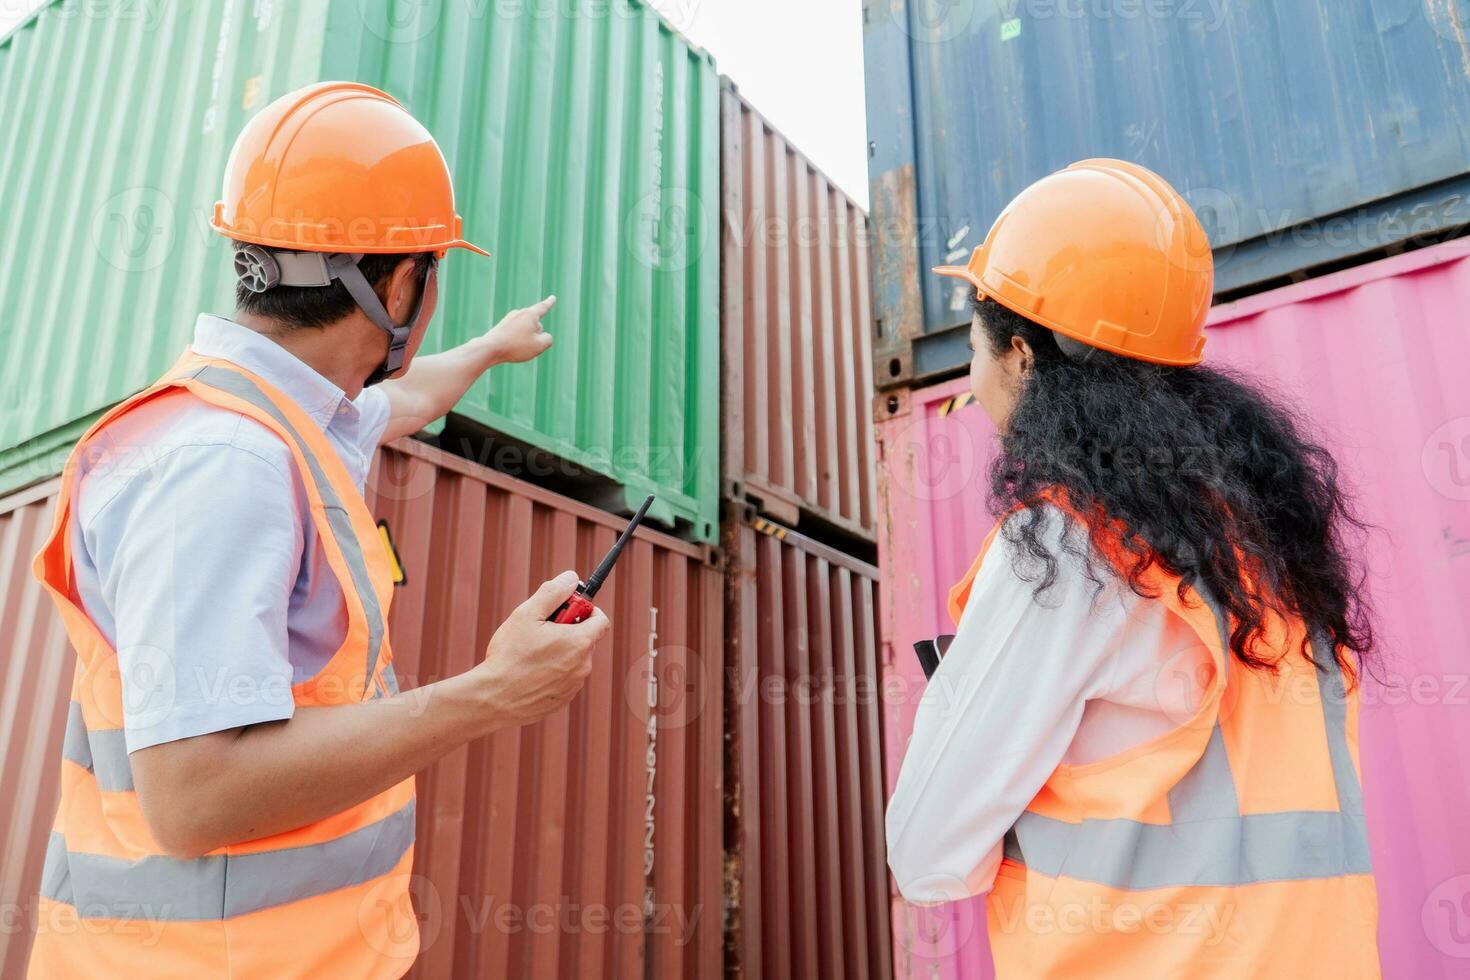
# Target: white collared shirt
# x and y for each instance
(195, 554)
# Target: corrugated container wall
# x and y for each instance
(588, 845)
(807, 880)
(36, 666)
(584, 144)
(1375, 357)
(1344, 120)
(587, 817)
(796, 315)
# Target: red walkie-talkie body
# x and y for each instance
(574, 610)
(579, 607)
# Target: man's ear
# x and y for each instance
(403, 290)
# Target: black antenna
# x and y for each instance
(594, 581)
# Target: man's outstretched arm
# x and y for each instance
(434, 383)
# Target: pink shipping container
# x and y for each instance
(1377, 357)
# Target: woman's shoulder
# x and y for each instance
(1049, 545)
(1045, 525)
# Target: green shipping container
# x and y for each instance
(584, 138)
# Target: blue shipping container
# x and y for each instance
(1305, 133)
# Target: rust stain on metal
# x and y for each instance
(1447, 16)
(898, 302)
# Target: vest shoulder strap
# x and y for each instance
(345, 526)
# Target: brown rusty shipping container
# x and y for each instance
(36, 666)
(588, 845)
(796, 313)
(806, 869)
(585, 846)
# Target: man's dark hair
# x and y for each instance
(321, 306)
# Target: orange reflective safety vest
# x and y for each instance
(326, 900)
(1233, 846)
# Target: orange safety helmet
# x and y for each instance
(326, 175)
(339, 167)
(1105, 253)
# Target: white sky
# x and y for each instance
(800, 62)
(12, 12)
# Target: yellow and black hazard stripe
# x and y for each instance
(950, 405)
(400, 577)
(766, 527)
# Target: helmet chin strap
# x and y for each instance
(260, 269)
(343, 267)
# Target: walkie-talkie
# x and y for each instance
(930, 652)
(579, 606)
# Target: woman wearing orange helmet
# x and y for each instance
(1142, 741)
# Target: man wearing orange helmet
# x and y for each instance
(237, 776)
(1141, 742)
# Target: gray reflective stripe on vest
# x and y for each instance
(1240, 850)
(103, 752)
(1209, 842)
(234, 383)
(1333, 689)
(222, 886)
(1207, 791)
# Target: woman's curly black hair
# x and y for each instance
(1200, 471)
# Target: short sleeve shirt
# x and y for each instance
(195, 553)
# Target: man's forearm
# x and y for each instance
(274, 777)
(202, 793)
(434, 384)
